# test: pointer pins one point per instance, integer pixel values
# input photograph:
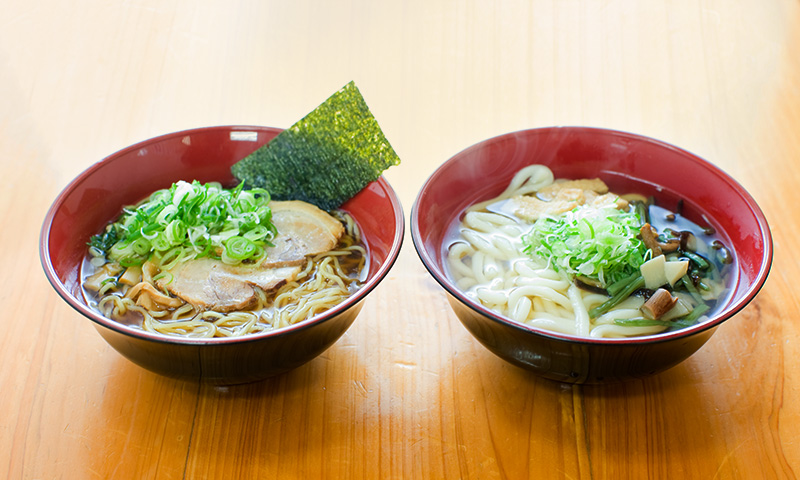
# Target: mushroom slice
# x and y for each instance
(650, 239)
(658, 304)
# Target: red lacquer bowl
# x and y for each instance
(97, 196)
(627, 163)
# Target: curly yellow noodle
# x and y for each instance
(323, 283)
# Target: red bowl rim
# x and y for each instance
(100, 320)
(729, 310)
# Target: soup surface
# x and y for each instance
(571, 257)
(209, 262)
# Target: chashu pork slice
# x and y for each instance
(210, 284)
(303, 230)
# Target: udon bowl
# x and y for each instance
(627, 163)
(97, 196)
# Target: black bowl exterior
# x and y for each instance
(574, 361)
(232, 363)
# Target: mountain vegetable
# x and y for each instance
(618, 251)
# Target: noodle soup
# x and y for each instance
(572, 257)
(291, 263)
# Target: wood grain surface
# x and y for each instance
(406, 392)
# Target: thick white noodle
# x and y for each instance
(582, 322)
(528, 180)
(487, 263)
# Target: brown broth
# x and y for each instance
(349, 264)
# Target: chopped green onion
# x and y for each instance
(239, 248)
(161, 275)
(600, 243)
(171, 258)
(642, 211)
(190, 220)
(141, 246)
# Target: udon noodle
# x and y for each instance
(487, 262)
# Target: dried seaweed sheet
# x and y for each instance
(325, 158)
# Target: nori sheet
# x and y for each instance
(325, 158)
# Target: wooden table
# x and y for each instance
(406, 392)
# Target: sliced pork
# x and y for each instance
(303, 230)
(209, 284)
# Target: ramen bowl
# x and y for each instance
(627, 163)
(97, 196)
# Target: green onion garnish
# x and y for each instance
(596, 242)
(239, 248)
(190, 220)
